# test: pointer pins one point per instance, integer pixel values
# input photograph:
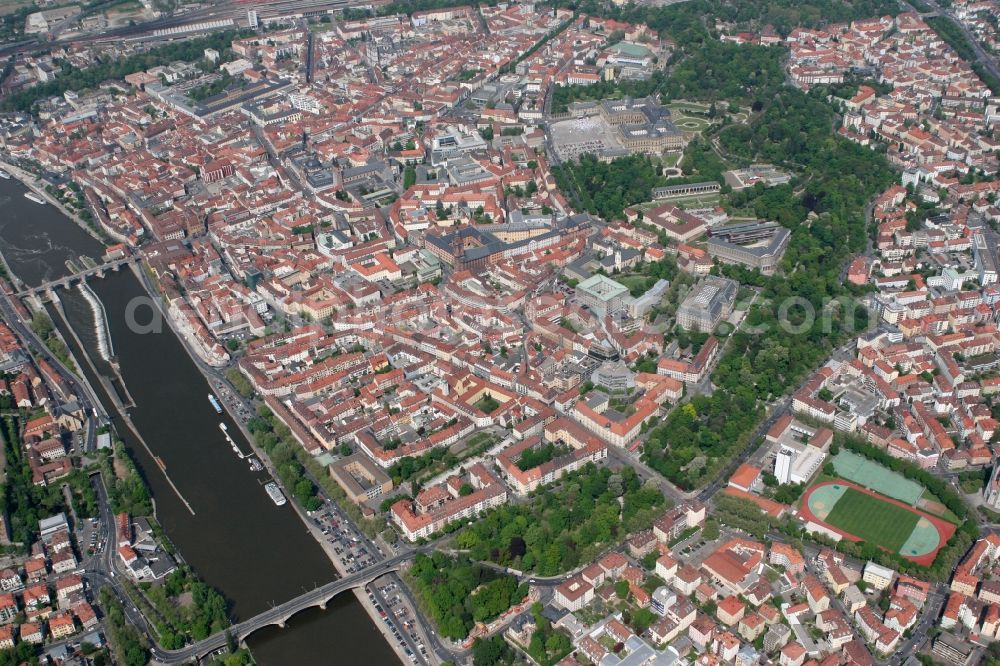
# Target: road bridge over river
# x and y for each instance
(279, 615)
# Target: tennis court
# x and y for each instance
(873, 476)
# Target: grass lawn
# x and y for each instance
(929, 503)
(487, 404)
(124, 7)
(703, 201)
(691, 123)
(479, 438)
(671, 159)
(11, 6)
(631, 281)
(873, 520)
(683, 536)
(681, 105)
(989, 514)
(637, 284)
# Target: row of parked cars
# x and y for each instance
(397, 618)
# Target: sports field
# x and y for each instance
(858, 514)
(873, 520)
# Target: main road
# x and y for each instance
(83, 392)
(99, 570)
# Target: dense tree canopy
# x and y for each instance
(824, 208)
(281, 446)
(567, 526)
(688, 447)
(716, 70)
(711, 71)
(178, 623)
(606, 189)
(492, 651)
(691, 22)
(540, 455)
(457, 593)
(129, 646)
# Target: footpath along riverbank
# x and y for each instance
(212, 376)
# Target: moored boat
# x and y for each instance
(275, 493)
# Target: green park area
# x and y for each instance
(457, 593)
(566, 525)
(690, 117)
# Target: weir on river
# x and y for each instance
(104, 347)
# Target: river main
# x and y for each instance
(238, 541)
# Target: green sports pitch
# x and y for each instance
(862, 515)
(872, 519)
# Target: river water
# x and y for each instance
(255, 553)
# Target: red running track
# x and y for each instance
(944, 528)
